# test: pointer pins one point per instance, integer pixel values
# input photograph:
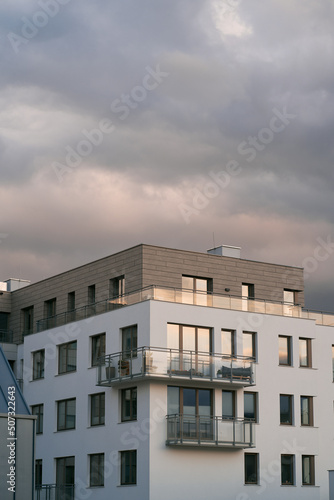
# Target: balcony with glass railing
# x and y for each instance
(209, 431)
(55, 492)
(181, 365)
(6, 336)
(181, 296)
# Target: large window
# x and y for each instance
(229, 407)
(65, 474)
(251, 468)
(129, 467)
(195, 290)
(308, 470)
(129, 341)
(28, 320)
(306, 410)
(286, 409)
(117, 286)
(96, 469)
(249, 345)
(66, 414)
(37, 410)
(228, 342)
(287, 470)
(129, 404)
(97, 409)
(250, 405)
(305, 353)
(67, 357)
(38, 364)
(98, 348)
(284, 349)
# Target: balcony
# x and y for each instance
(210, 432)
(180, 296)
(174, 364)
(6, 336)
(54, 492)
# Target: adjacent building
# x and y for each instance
(157, 373)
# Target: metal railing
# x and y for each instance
(178, 295)
(6, 336)
(55, 492)
(186, 430)
(159, 362)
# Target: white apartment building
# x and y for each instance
(158, 373)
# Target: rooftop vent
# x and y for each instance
(15, 284)
(226, 251)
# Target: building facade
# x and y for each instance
(158, 373)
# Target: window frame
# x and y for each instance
(99, 350)
(310, 412)
(66, 426)
(311, 470)
(234, 405)
(290, 399)
(255, 400)
(288, 350)
(38, 473)
(132, 351)
(308, 352)
(247, 475)
(38, 365)
(292, 470)
(39, 413)
(117, 286)
(129, 456)
(27, 320)
(232, 342)
(99, 470)
(132, 402)
(254, 345)
(66, 348)
(62, 466)
(100, 397)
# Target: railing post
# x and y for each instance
(233, 432)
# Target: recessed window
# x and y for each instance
(306, 410)
(284, 350)
(38, 364)
(97, 409)
(286, 401)
(129, 404)
(228, 342)
(28, 320)
(128, 467)
(195, 290)
(117, 287)
(228, 399)
(96, 469)
(249, 345)
(308, 470)
(67, 357)
(305, 353)
(287, 470)
(66, 414)
(38, 473)
(70, 315)
(251, 468)
(250, 406)
(91, 294)
(248, 294)
(38, 411)
(98, 348)
(65, 475)
(50, 310)
(129, 341)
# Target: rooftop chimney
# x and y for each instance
(226, 251)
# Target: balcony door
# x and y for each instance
(190, 348)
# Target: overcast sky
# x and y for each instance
(180, 123)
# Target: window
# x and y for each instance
(50, 313)
(250, 405)
(37, 410)
(308, 470)
(306, 410)
(129, 404)
(96, 469)
(28, 320)
(249, 344)
(97, 409)
(70, 306)
(38, 473)
(286, 409)
(65, 472)
(247, 293)
(117, 287)
(188, 401)
(91, 294)
(66, 414)
(129, 341)
(228, 342)
(129, 467)
(38, 364)
(305, 353)
(98, 347)
(67, 359)
(228, 398)
(284, 350)
(189, 340)
(287, 470)
(251, 468)
(199, 288)
(290, 300)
